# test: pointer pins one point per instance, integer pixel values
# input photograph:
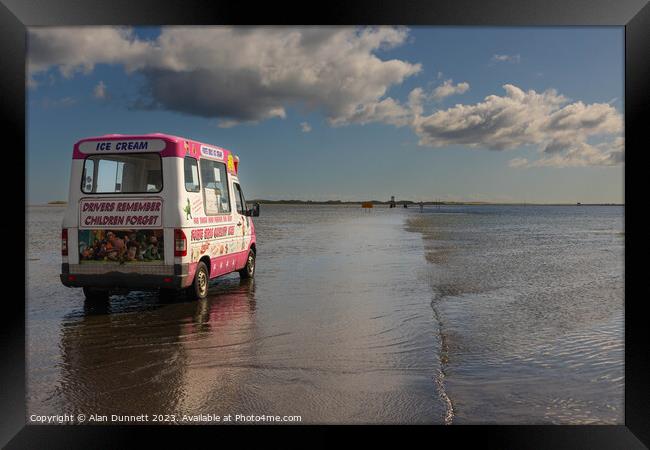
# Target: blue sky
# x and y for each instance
(307, 137)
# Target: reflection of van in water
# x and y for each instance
(154, 212)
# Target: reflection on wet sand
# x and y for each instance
(223, 330)
(485, 314)
(336, 329)
(138, 354)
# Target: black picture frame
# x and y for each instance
(634, 15)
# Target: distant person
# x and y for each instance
(421, 206)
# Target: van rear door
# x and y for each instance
(120, 218)
(121, 230)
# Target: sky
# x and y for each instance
(350, 113)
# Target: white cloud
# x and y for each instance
(227, 123)
(498, 122)
(64, 102)
(518, 162)
(506, 58)
(78, 49)
(239, 74)
(393, 112)
(415, 100)
(448, 88)
(305, 127)
(522, 118)
(578, 154)
(100, 90)
(388, 111)
(250, 74)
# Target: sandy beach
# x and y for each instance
(455, 315)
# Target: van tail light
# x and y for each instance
(180, 243)
(64, 242)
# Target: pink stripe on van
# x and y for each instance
(165, 144)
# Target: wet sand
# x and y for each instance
(336, 328)
(383, 316)
(529, 303)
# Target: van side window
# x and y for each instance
(239, 198)
(191, 169)
(216, 196)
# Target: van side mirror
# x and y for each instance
(254, 211)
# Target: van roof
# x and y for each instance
(166, 145)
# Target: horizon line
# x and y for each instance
(386, 202)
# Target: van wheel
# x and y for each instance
(199, 288)
(249, 270)
(96, 295)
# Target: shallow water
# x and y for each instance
(473, 315)
(529, 302)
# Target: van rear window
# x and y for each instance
(116, 174)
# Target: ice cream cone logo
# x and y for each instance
(231, 164)
(186, 145)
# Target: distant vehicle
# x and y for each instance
(154, 211)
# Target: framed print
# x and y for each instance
(411, 214)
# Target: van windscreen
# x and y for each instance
(116, 174)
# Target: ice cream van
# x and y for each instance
(154, 211)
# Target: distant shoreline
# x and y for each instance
(426, 203)
(399, 203)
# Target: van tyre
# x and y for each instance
(96, 295)
(199, 288)
(249, 269)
